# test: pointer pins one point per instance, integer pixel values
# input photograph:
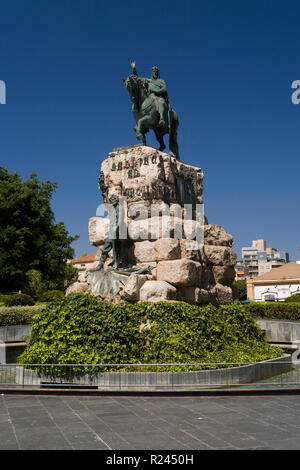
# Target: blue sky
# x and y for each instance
(228, 66)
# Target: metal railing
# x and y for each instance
(279, 373)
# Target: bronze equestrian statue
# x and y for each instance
(151, 108)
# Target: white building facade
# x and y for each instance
(276, 285)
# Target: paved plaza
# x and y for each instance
(171, 423)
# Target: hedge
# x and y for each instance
(79, 329)
(293, 298)
(50, 295)
(18, 299)
(274, 310)
(19, 315)
(3, 298)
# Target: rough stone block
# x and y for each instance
(204, 296)
(98, 230)
(189, 250)
(81, 276)
(138, 229)
(218, 255)
(189, 294)
(222, 294)
(224, 274)
(132, 287)
(207, 278)
(167, 249)
(138, 210)
(77, 286)
(194, 295)
(153, 228)
(144, 251)
(216, 235)
(155, 291)
(181, 272)
(193, 231)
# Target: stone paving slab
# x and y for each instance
(154, 423)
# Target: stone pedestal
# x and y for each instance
(157, 188)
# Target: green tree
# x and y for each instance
(241, 289)
(29, 236)
(35, 284)
(71, 274)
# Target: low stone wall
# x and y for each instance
(14, 333)
(137, 381)
(14, 337)
(280, 331)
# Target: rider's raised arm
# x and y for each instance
(133, 67)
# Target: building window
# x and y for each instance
(270, 298)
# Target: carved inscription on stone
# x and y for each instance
(132, 166)
(141, 172)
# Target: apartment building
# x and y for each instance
(259, 259)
